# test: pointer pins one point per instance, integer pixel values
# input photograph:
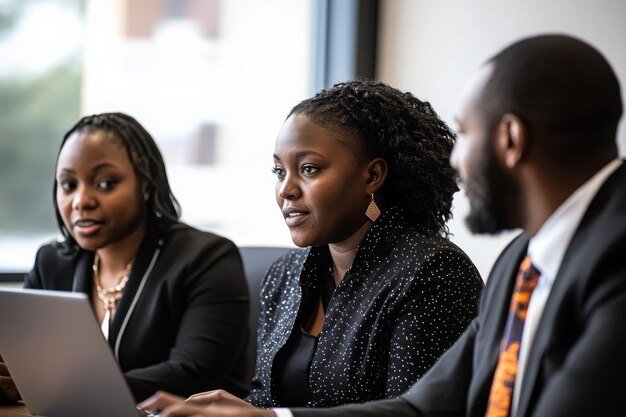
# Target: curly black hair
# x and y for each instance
(404, 131)
(162, 207)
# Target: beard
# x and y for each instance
(492, 195)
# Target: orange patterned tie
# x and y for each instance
(504, 377)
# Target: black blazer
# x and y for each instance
(181, 324)
(577, 365)
(403, 302)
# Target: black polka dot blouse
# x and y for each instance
(403, 302)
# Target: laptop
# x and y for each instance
(58, 357)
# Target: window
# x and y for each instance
(211, 80)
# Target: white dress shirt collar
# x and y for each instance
(547, 247)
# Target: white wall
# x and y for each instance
(432, 47)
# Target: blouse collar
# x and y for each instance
(376, 244)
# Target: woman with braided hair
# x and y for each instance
(378, 292)
(172, 300)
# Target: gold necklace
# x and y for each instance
(109, 296)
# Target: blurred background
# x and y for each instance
(212, 81)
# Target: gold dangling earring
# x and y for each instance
(372, 211)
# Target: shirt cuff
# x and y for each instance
(282, 412)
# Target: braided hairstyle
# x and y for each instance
(404, 131)
(162, 207)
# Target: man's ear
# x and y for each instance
(376, 174)
(512, 140)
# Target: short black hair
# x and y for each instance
(558, 84)
(404, 131)
(162, 207)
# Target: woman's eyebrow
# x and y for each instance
(307, 153)
(103, 165)
(301, 154)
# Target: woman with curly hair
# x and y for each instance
(378, 293)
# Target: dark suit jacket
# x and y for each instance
(187, 331)
(577, 364)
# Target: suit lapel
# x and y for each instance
(142, 261)
(493, 318)
(83, 273)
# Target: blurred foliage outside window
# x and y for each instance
(40, 82)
